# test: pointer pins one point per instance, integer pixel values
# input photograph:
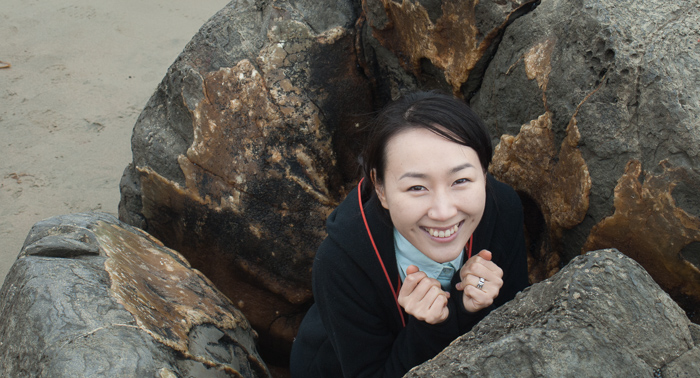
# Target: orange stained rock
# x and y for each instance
(649, 227)
(453, 43)
(240, 121)
(558, 181)
(164, 294)
(248, 130)
(261, 175)
(537, 61)
(164, 202)
(538, 65)
(264, 297)
(239, 134)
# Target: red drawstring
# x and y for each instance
(394, 292)
(469, 247)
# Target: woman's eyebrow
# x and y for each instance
(460, 167)
(413, 175)
(423, 175)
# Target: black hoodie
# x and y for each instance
(354, 329)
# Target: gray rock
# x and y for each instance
(695, 332)
(90, 296)
(640, 73)
(685, 366)
(601, 315)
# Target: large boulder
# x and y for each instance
(586, 94)
(90, 296)
(600, 316)
(243, 152)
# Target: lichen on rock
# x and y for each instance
(538, 65)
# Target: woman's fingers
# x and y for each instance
(481, 282)
(433, 307)
(438, 310)
(481, 266)
(475, 299)
(423, 297)
(413, 278)
(485, 254)
(491, 278)
(487, 283)
(478, 293)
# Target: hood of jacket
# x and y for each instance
(347, 229)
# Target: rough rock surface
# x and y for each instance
(91, 296)
(628, 83)
(599, 316)
(243, 152)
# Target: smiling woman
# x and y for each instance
(435, 203)
(395, 281)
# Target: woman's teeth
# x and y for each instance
(443, 233)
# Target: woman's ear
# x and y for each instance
(379, 189)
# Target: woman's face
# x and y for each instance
(435, 191)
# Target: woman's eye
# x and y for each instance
(416, 188)
(461, 181)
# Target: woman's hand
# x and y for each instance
(480, 266)
(423, 297)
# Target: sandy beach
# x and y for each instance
(81, 72)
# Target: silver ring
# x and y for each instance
(480, 285)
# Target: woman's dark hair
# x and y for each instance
(440, 113)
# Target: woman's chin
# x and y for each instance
(445, 252)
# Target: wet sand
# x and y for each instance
(81, 73)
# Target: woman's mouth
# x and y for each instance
(442, 233)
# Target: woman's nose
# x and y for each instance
(443, 208)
